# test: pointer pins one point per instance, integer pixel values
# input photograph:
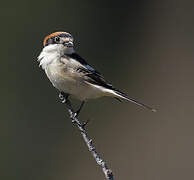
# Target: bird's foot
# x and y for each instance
(73, 117)
(74, 120)
(63, 97)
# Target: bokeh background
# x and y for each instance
(145, 48)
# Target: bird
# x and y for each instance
(72, 75)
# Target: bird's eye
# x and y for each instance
(57, 39)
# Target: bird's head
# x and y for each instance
(63, 39)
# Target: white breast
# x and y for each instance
(64, 76)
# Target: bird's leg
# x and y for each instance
(64, 99)
(77, 113)
(80, 108)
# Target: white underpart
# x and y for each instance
(64, 76)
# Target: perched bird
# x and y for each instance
(72, 75)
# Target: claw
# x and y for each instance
(63, 97)
(64, 101)
(73, 116)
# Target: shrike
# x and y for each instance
(72, 75)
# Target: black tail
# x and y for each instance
(124, 96)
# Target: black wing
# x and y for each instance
(91, 75)
(83, 62)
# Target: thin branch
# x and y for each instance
(81, 126)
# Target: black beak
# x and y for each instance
(68, 44)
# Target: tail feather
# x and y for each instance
(112, 92)
(120, 95)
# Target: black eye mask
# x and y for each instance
(54, 40)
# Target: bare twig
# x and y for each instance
(81, 126)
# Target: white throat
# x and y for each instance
(52, 53)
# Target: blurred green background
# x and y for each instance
(144, 48)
